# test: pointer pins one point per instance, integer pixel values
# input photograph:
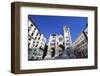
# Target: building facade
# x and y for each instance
(52, 46)
(80, 45)
(58, 43)
(36, 42)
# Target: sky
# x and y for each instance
(54, 24)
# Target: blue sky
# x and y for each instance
(54, 24)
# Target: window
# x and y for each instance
(33, 42)
(34, 28)
(29, 29)
(29, 39)
(32, 57)
(53, 34)
(35, 38)
(37, 41)
(29, 49)
(36, 45)
(82, 42)
(67, 43)
(53, 40)
(32, 33)
(60, 39)
(67, 40)
(38, 38)
(34, 49)
(66, 29)
(28, 52)
(37, 34)
(41, 48)
(52, 44)
(66, 36)
(28, 44)
(31, 25)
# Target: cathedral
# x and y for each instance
(58, 43)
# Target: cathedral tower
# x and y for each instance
(67, 36)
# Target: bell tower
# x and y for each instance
(67, 36)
